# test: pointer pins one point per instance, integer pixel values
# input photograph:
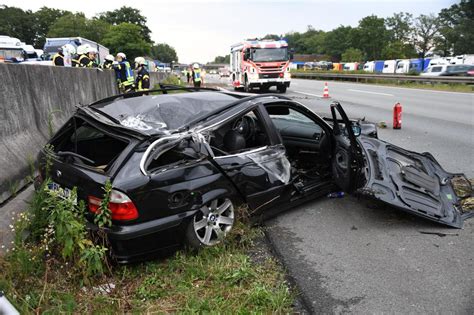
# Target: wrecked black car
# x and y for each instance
(180, 163)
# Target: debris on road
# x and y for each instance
(382, 125)
(338, 194)
(439, 233)
(467, 204)
(462, 187)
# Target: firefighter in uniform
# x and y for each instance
(108, 62)
(81, 53)
(58, 58)
(87, 60)
(142, 81)
(197, 79)
(124, 74)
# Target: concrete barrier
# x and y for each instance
(35, 99)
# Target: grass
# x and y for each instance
(217, 279)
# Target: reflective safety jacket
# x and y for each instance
(84, 62)
(197, 75)
(124, 73)
(107, 65)
(142, 82)
(58, 59)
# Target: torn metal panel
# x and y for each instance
(413, 182)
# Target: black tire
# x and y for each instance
(212, 214)
(282, 88)
(247, 88)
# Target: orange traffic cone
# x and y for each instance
(326, 90)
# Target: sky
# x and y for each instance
(199, 30)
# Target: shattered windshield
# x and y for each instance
(161, 113)
(269, 54)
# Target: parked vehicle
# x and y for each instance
(369, 66)
(180, 169)
(261, 64)
(389, 66)
(10, 49)
(351, 66)
(337, 66)
(403, 66)
(224, 72)
(379, 64)
(448, 70)
(30, 53)
(52, 45)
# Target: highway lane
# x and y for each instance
(348, 255)
(351, 256)
(433, 121)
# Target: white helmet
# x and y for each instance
(109, 58)
(140, 61)
(69, 49)
(121, 55)
(91, 50)
(83, 49)
(195, 66)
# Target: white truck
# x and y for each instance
(261, 64)
(10, 49)
(52, 45)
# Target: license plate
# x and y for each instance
(63, 192)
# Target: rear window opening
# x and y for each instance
(81, 143)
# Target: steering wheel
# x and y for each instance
(246, 126)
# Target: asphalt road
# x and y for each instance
(348, 255)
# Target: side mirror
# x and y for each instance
(292, 53)
(357, 130)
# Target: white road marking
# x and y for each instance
(308, 94)
(368, 92)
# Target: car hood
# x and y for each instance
(414, 182)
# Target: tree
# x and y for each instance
(400, 26)
(126, 38)
(17, 23)
(352, 55)
(456, 25)
(272, 36)
(69, 25)
(97, 29)
(371, 36)
(164, 53)
(44, 18)
(426, 31)
(398, 50)
(338, 41)
(128, 15)
(222, 59)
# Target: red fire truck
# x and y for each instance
(260, 63)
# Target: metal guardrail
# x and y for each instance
(397, 77)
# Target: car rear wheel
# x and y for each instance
(210, 224)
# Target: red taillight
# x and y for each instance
(281, 75)
(121, 207)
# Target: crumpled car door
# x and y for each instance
(347, 156)
(260, 175)
(415, 182)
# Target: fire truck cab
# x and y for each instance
(260, 63)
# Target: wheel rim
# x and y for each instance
(213, 221)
